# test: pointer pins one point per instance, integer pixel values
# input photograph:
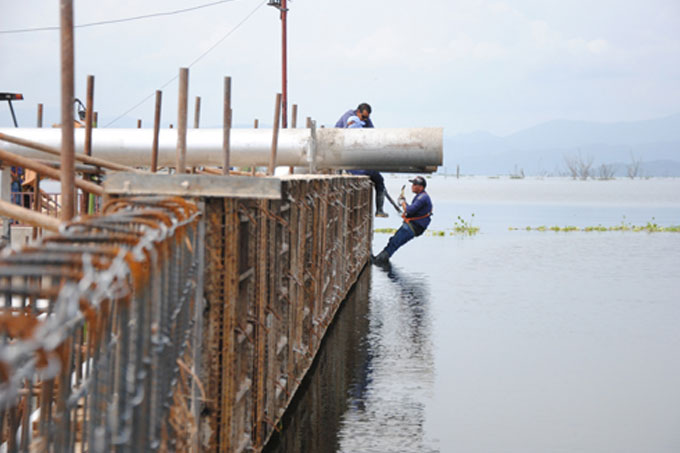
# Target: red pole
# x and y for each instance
(284, 65)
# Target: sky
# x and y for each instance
(496, 66)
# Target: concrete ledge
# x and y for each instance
(193, 185)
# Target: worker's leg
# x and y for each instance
(380, 202)
(401, 237)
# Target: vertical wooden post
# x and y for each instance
(294, 113)
(284, 64)
(182, 120)
(37, 202)
(226, 127)
(293, 125)
(197, 112)
(36, 182)
(84, 201)
(67, 99)
(139, 124)
(39, 122)
(156, 131)
(89, 115)
(275, 135)
(256, 124)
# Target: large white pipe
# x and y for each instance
(382, 149)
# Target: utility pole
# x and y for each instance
(282, 6)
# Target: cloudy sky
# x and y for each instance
(465, 65)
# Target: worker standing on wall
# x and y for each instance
(416, 220)
(361, 117)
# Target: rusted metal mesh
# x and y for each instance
(94, 328)
(277, 273)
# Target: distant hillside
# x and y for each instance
(542, 149)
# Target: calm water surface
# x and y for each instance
(509, 341)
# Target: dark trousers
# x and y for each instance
(401, 237)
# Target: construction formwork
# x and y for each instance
(176, 324)
(278, 271)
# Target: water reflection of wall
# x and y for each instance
(388, 398)
(311, 423)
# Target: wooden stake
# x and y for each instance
(156, 131)
(226, 127)
(182, 120)
(275, 135)
(67, 176)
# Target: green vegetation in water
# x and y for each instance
(650, 227)
(385, 230)
(461, 226)
(465, 228)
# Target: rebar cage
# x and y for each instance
(95, 324)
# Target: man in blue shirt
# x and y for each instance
(416, 220)
(363, 111)
(349, 120)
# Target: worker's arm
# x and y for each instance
(412, 209)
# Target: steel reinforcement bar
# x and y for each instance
(95, 332)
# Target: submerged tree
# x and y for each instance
(578, 166)
(634, 168)
(606, 171)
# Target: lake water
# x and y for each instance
(508, 341)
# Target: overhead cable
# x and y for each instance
(196, 60)
(117, 21)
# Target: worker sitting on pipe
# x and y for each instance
(356, 118)
(416, 220)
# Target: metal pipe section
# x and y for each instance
(416, 149)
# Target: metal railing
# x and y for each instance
(94, 332)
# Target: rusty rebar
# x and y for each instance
(39, 120)
(156, 131)
(275, 135)
(89, 110)
(28, 216)
(44, 170)
(197, 112)
(293, 125)
(67, 176)
(182, 120)
(87, 147)
(226, 127)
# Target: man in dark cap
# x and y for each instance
(416, 220)
(360, 117)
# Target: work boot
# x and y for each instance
(381, 259)
(379, 202)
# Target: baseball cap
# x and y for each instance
(419, 180)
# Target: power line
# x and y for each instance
(117, 21)
(196, 60)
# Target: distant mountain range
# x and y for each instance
(545, 149)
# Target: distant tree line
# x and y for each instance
(580, 167)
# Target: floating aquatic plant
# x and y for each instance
(650, 227)
(463, 227)
(460, 226)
